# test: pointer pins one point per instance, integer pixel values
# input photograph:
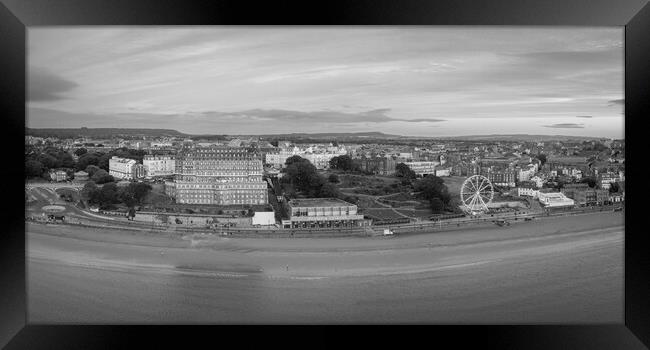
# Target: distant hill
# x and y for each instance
(107, 133)
(101, 132)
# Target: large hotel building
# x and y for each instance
(218, 175)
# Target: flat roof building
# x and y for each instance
(323, 213)
(554, 199)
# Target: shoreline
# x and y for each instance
(177, 239)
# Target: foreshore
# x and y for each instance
(565, 269)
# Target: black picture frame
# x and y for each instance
(16, 15)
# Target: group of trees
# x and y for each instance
(39, 162)
(109, 194)
(433, 189)
(344, 163)
(302, 175)
(402, 170)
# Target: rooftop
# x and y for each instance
(318, 202)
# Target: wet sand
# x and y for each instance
(557, 270)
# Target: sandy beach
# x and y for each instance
(567, 269)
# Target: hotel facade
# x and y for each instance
(218, 175)
(121, 168)
(159, 165)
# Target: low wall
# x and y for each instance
(184, 219)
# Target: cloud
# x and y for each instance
(329, 116)
(46, 86)
(584, 116)
(565, 126)
(617, 102)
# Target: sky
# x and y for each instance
(407, 80)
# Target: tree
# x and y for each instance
(295, 159)
(87, 159)
(542, 158)
(66, 160)
(101, 177)
(102, 161)
(589, 181)
(126, 196)
(343, 162)
(33, 168)
(89, 189)
(432, 188)
(131, 214)
(614, 187)
(49, 161)
(140, 190)
(437, 204)
(333, 178)
(80, 151)
(108, 195)
(328, 190)
(91, 170)
(403, 170)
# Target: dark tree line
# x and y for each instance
(433, 189)
(402, 170)
(38, 163)
(344, 163)
(110, 194)
(304, 178)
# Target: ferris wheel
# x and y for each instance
(476, 193)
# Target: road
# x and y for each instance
(560, 270)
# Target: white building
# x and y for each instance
(320, 158)
(554, 200)
(527, 192)
(538, 181)
(121, 168)
(526, 173)
(423, 168)
(443, 172)
(159, 165)
(263, 218)
(607, 179)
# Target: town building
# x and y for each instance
(527, 188)
(583, 195)
(607, 179)
(318, 156)
(554, 200)
(527, 172)
(139, 171)
(377, 165)
(81, 176)
(121, 168)
(423, 168)
(263, 218)
(443, 172)
(159, 165)
(321, 213)
(218, 175)
(503, 178)
(58, 175)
